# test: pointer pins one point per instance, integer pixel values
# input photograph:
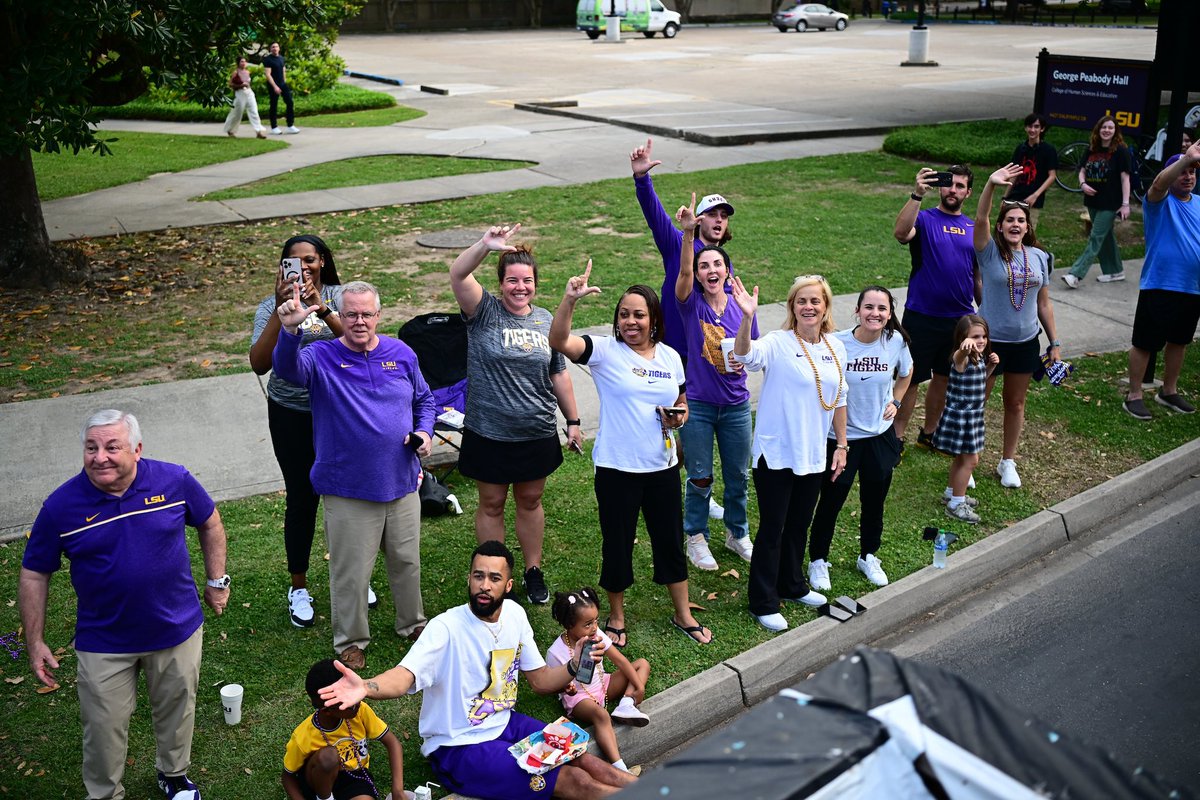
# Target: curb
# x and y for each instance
(719, 693)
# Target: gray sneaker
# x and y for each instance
(1175, 403)
(962, 513)
(1137, 409)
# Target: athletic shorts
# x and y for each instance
(487, 770)
(1019, 358)
(345, 785)
(1165, 317)
(932, 343)
(501, 462)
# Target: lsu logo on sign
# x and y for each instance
(954, 229)
(158, 498)
(389, 365)
(1126, 119)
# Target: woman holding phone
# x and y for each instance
(640, 383)
(308, 262)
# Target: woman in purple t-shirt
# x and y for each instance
(717, 395)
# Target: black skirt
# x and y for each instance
(501, 462)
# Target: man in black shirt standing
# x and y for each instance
(1039, 167)
(277, 81)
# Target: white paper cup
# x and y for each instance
(727, 351)
(231, 702)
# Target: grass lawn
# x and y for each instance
(1076, 436)
(129, 324)
(363, 171)
(135, 157)
(362, 119)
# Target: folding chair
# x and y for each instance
(440, 342)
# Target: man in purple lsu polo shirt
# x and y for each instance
(121, 523)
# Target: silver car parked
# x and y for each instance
(803, 16)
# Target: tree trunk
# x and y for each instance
(26, 256)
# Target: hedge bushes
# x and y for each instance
(340, 98)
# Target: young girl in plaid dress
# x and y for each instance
(960, 431)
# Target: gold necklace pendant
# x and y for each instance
(817, 374)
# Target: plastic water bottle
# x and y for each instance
(940, 546)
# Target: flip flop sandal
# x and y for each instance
(617, 633)
(693, 629)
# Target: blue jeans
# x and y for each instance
(732, 428)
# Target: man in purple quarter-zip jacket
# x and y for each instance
(373, 419)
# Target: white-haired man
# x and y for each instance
(121, 523)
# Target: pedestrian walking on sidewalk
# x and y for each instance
(277, 87)
(289, 415)
(1168, 306)
(1104, 178)
(1015, 276)
(878, 368)
(244, 102)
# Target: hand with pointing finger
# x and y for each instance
(577, 286)
(686, 216)
(640, 160)
(294, 311)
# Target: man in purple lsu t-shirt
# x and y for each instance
(941, 287)
(121, 523)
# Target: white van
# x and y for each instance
(648, 16)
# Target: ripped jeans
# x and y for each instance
(732, 429)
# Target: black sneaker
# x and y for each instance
(926, 440)
(1175, 403)
(1137, 409)
(178, 787)
(535, 587)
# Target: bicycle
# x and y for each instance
(1073, 156)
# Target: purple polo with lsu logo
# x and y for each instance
(129, 558)
(942, 282)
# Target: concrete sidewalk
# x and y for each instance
(217, 427)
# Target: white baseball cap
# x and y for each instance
(711, 201)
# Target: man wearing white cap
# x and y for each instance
(713, 212)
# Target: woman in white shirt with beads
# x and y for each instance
(803, 394)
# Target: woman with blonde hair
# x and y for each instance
(803, 395)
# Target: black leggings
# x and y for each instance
(785, 508)
(289, 109)
(292, 438)
(873, 465)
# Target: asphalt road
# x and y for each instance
(1100, 640)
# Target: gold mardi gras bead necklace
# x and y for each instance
(602, 700)
(817, 374)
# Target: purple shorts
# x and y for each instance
(488, 771)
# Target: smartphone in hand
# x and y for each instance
(939, 179)
(292, 269)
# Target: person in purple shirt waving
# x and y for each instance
(718, 397)
(373, 419)
(121, 522)
(713, 213)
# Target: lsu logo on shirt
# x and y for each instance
(954, 230)
(389, 365)
(650, 374)
(156, 499)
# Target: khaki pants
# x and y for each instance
(355, 530)
(108, 696)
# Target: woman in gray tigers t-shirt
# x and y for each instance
(514, 384)
(288, 414)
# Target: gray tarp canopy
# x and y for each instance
(872, 725)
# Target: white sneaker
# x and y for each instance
(772, 622)
(1116, 276)
(276, 131)
(698, 552)
(372, 600)
(629, 714)
(1071, 281)
(1007, 470)
(812, 599)
(291, 129)
(869, 565)
(970, 501)
(743, 546)
(715, 511)
(300, 608)
(818, 575)
(962, 513)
